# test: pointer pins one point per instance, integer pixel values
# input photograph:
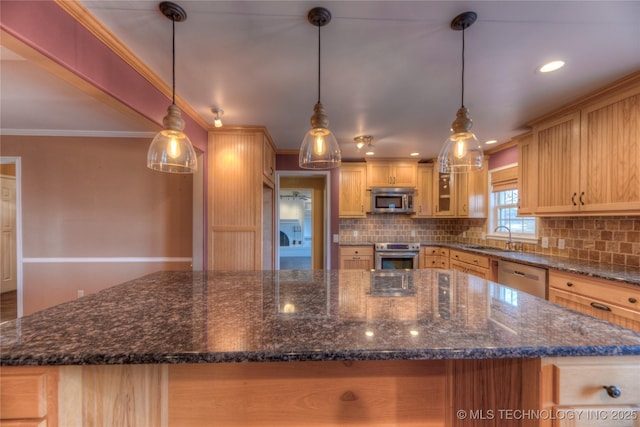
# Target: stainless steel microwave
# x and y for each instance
(392, 200)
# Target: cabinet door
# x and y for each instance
(527, 161)
(478, 192)
(558, 150)
(269, 161)
(610, 154)
(379, 174)
(404, 174)
(443, 194)
(353, 201)
(356, 262)
(423, 199)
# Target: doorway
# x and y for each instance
(10, 239)
(301, 226)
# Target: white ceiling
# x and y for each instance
(390, 69)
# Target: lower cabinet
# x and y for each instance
(470, 263)
(434, 257)
(356, 257)
(29, 397)
(607, 300)
(592, 391)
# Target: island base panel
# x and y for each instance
(368, 393)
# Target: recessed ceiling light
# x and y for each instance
(369, 153)
(491, 141)
(551, 66)
(414, 154)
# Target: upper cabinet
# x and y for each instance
(461, 195)
(269, 161)
(353, 198)
(526, 174)
(392, 173)
(586, 159)
(423, 198)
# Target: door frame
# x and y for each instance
(18, 162)
(326, 244)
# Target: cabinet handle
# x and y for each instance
(600, 306)
(632, 300)
(569, 284)
(518, 273)
(573, 199)
(356, 251)
(581, 196)
(361, 208)
(613, 391)
(271, 169)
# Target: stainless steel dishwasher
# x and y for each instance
(524, 278)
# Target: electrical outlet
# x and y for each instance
(545, 242)
(464, 234)
(560, 243)
(483, 236)
(355, 233)
(413, 233)
(80, 293)
(336, 238)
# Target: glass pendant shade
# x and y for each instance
(319, 149)
(171, 150)
(461, 153)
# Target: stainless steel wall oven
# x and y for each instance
(397, 256)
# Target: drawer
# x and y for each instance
(469, 258)
(435, 262)
(23, 396)
(435, 251)
(597, 416)
(585, 384)
(356, 251)
(603, 290)
(23, 423)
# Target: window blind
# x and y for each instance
(504, 179)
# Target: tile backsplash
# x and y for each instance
(611, 240)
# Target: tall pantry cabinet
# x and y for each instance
(240, 200)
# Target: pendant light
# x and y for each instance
(171, 150)
(319, 149)
(462, 152)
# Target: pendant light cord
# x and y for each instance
(173, 56)
(462, 98)
(318, 64)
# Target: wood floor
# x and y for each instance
(8, 306)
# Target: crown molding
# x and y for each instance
(87, 20)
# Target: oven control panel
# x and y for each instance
(397, 246)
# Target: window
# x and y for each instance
(503, 207)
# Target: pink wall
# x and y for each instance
(503, 158)
(289, 162)
(48, 29)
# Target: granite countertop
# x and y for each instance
(618, 273)
(270, 316)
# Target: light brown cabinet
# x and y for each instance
(356, 257)
(461, 195)
(28, 396)
(392, 173)
(239, 209)
(269, 161)
(423, 198)
(353, 197)
(586, 158)
(611, 301)
(470, 263)
(581, 392)
(434, 257)
(526, 174)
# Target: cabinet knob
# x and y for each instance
(632, 300)
(613, 391)
(348, 396)
(357, 252)
(569, 284)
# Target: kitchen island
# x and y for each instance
(349, 347)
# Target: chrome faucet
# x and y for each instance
(509, 242)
